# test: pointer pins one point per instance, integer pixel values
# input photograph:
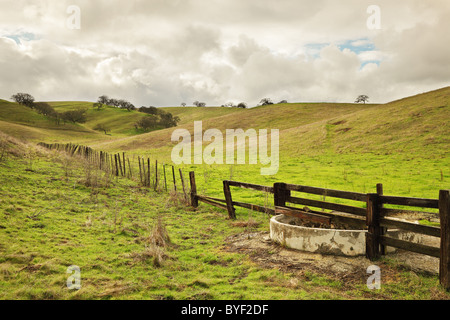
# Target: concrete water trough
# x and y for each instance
(289, 232)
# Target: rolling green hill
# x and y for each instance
(417, 124)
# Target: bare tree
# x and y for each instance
(102, 127)
(103, 99)
(24, 99)
(265, 101)
(362, 98)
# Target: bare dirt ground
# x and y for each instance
(262, 250)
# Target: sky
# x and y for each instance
(166, 52)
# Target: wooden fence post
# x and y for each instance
(229, 200)
(373, 227)
(140, 168)
(165, 181)
(182, 184)
(194, 199)
(117, 167)
(130, 173)
(124, 164)
(173, 175)
(280, 194)
(444, 216)
(148, 172)
(156, 175)
(383, 231)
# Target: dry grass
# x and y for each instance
(156, 244)
(158, 235)
(250, 223)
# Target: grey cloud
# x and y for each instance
(165, 52)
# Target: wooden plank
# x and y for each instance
(444, 216)
(409, 226)
(194, 198)
(357, 222)
(373, 227)
(227, 194)
(212, 198)
(254, 207)
(213, 203)
(383, 230)
(328, 192)
(391, 211)
(280, 194)
(413, 202)
(251, 186)
(303, 215)
(410, 246)
(328, 205)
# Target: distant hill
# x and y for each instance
(416, 124)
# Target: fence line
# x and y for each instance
(116, 165)
(374, 217)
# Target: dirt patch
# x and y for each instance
(350, 270)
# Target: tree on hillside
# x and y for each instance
(242, 105)
(167, 120)
(199, 104)
(44, 108)
(102, 127)
(149, 110)
(362, 98)
(183, 104)
(103, 99)
(113, 102)
(74, 116)
(282, 101)
(147, 123)
(97, 105)
(265, 101)
(24, 99)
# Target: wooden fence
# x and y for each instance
(371, 214)
(152, 175)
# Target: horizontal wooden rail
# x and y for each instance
(251, 186)
(327, 205)
(390, 211)
(412, 202)
(410, 246)
(250, 206)
(211, 202)
(328, 192)
(254, 207)
(409, 226)
(313, 217)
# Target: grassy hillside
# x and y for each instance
(120, 121)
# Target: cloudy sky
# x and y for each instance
(165, 52)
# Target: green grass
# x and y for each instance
(51, 220)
